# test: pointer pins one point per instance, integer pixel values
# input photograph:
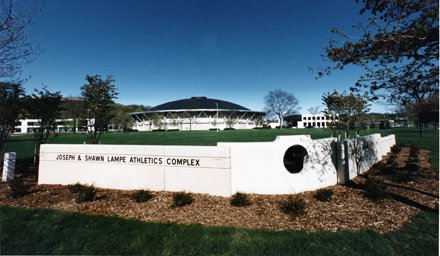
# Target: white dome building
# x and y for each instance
(197, 113)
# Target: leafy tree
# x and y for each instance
(121, 114)
(98, 97)
(280, 103)
(44, 106)
(11, 99)
(73, 108)
(16, 45)
(398, 48)
(347, 112)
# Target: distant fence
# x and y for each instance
(290, 164)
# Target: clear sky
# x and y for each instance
(164, 50)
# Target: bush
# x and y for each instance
(75, 188)
(412, 167)
(293, 206)
(375, 190)
(324, 195)
(181, 199)
(240, 199)
(18, 188)
(396, 149)
(414, 151)
(142, 196)
(87, 194)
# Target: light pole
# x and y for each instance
(216, 115)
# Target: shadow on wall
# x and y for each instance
(364, 153)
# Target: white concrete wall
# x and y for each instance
(363, 152)
(256, 167)
(259, 168)
(210, 172)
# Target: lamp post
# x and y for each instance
(216, 115)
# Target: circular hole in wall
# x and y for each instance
(294, 158)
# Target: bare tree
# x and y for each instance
(16, 45)
(314, 111)
(280, 103)
(231, 120)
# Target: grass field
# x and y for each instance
(38, 231)
(24, 145)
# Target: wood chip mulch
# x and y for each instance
(410, 192)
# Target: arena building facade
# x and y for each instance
(197, 113)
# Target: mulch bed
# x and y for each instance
(410, 192)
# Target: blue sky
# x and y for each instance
(159, 51)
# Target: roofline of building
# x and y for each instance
(197, 110)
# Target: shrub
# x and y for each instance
(240, 199)
(87, 194)
(293, 206)
(396, 149)
(75, 188)
(18, 188)
(412, 167)
(181, 199)
(142, 196)
(324, 195)
(375, 190)
(414, 151)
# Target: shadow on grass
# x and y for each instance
(42, 231)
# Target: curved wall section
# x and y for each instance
(222, 170)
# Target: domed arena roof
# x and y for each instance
(199, 103)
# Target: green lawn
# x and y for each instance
(24, 145)
(37, 231)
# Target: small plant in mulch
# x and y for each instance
(142, 196)
(293, 206)
(392, 160)
(324, 195)
(375, 189)
(412, 167)
(396, 149)
(75, 188)
(413, 154)
(18, 188)
(182, 198)
(240, 200)
(87, 194)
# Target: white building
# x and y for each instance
(197, 113)
(24, 126)
(316, 121)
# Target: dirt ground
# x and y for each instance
(410, 191)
